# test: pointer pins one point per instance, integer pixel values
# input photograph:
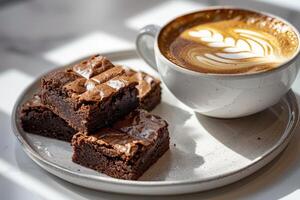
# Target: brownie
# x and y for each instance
(91, 94)
(148, 87)
(38, 119)
(126, 149)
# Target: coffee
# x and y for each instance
(228, 41)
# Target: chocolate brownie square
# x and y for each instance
(126, 149)
(90, 95)
(38, 119)
(148, 87)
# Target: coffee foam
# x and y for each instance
(228, 41)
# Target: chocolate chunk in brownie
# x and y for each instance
(38, 119)
(148, 87)
(90, 95)
(126, 149)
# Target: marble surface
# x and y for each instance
(36, 36)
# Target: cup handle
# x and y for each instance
(145, 44)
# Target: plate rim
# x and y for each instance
(286, 136)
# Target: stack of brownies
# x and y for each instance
(102, 109)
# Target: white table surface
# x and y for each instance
(36, 36)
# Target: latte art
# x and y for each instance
(251, 48)
(228, 41)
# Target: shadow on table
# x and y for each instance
(54, 24)
(26, 63)
(23, 47)
(38, 27)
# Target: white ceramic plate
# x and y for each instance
(204, 153)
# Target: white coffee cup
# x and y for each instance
(219, 95)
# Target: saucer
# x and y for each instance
(205, 153)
